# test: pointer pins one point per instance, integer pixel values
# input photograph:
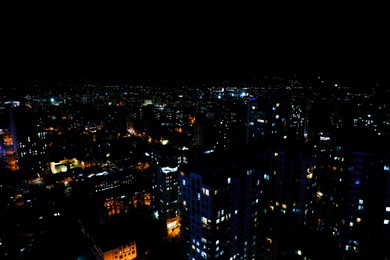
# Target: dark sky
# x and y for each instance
(217, 44)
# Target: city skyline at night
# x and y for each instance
(266, 167)
(180, 138)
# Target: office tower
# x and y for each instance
(220, 206)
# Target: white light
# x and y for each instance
(388, 209)
(299, 252)
(168, 169)
(386, 221)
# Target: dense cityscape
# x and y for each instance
(268, 167)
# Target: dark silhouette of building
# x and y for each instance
(220, 203)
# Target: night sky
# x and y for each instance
(343, 43)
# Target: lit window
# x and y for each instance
(388, 209)
(386, 221)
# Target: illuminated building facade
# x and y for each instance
(348, 197)
(220, 203)
(165, 185)
(66, 165)
(124, 252)
(382, 187)
(284, 184)
(106, 242)
(328, 187)
(29, 137)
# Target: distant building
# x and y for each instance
(66, 165)
(27, 129)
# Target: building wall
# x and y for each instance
(220, 212)
(125, 252)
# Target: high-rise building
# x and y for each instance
(284, 186)
(220, 203)
(348, 196)
(164, 162)
(29, 136)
